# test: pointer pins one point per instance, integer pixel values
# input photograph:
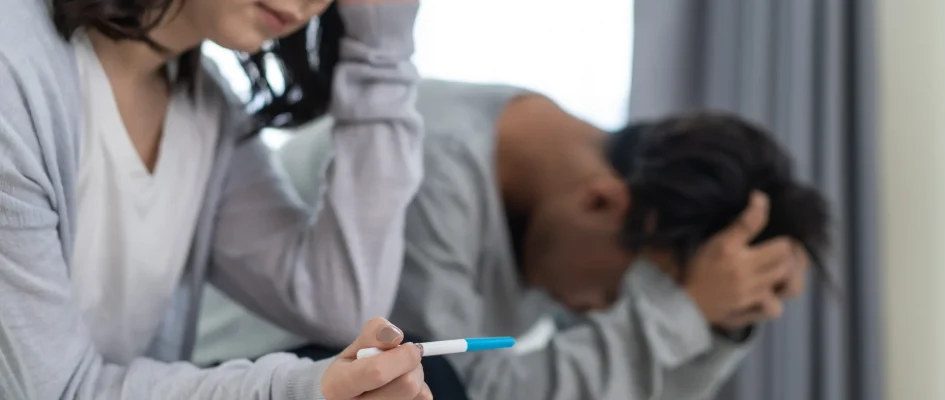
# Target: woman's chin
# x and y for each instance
(249, 42)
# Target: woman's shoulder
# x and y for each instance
(38, 64)
(39, 90)
(29, 42)
(39, 115)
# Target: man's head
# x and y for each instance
(673, 184)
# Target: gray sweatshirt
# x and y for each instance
(460, 280)
(319, 272)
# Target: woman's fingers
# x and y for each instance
(349, 377)
(378, 332)
(396, 368)
(375, 372)
(425, 394)
(409, 386)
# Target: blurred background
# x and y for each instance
(854, 88)
(579, 56)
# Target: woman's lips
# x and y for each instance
(277, 21)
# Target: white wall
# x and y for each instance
(912, 151)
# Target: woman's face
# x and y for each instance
(245, 25)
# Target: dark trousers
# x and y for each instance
(438, 373)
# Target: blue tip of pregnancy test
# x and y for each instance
(490, 343)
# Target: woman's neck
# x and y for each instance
(137, 62)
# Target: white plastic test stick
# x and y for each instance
(452, 346)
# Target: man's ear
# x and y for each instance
(606, 194)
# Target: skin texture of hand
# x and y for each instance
(794, 285)
(395, 374)
(735, 284)
(789, 288)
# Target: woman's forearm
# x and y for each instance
(378, 164)
(323, 274)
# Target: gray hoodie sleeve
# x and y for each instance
(45, 347)
(653, 345)
(322, 273)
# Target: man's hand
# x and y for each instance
(734, 284)
(794, 285)
(787, 289)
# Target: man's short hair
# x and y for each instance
(691, 175)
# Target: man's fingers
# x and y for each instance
(793, 286)
(768, 307)
(800, 255)
(750, 222)
(770, 253)
(406, 386)
(772, 307)
(382, 369)
(767, 280)
(378, 332)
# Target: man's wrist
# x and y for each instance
(698, 302)
(736, 335)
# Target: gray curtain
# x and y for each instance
(804, 69)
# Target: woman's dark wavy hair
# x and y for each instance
(695, 173)
(307, 57)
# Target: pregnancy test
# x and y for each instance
(451, 346)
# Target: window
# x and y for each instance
(580, 56)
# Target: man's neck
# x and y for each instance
(665, 261)
(542, 150)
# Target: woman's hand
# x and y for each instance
(395, 374)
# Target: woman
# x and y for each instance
(129, 178)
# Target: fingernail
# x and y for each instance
(419, 346)
(389, 334)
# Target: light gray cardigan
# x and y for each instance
(320, 274)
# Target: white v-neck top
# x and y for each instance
(135, 227)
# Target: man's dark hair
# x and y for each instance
(692, 175)
(308, 79)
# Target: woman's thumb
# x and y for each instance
(378, 332)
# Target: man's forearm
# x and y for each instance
(652, 345)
